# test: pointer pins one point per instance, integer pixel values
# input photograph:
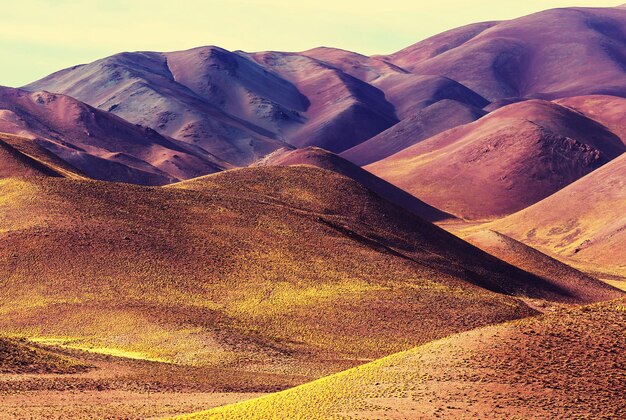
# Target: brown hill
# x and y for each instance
(19, 356)
(565, 364)
(344, 110)
(13, 163)
(326, 160)
(583, 224)
(607, 110)
(274, 270)
(362, 67)
(436, 45)
(410, 93)
(504, 162)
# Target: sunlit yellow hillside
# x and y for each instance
(566, 364)
(295, 270)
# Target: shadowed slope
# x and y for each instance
(551, 54)
(566, 364)
(428, 122)
(609, 111)
(327, 160)
(19, 356)
(344, 110)
(533, 261)
(407, 92)
(410, 93)
(97, 143)
(506, 161)
(13, 163)
(583, 223)
(141, 88)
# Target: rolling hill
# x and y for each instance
(326, 160)
(19, 357)
(247, 235)
(504, 162)
(14, 163)
(99, 144)
(607, 110)
(564, 364)
(583, 224)
(529, 259)
(545, 55)
(423, 124)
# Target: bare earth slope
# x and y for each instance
(249, 281)
(583, 223)
(234, 105)
(20, 356)
(504, 162)
(99, 144)
(343, 111)
(13, 163)
(141, 88)
(566, 364)
(533, 261)
(609, 111)
(551, 54)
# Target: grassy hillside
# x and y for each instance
(295, 270)
(566, 364)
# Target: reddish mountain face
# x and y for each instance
(583, 223)
(410, 93)
(408, 57)
(362, 67)
(99, 144)
(504, 162)
(552, 54)
(237, 106)
(609, 111)
(141, 88)
(344, 111)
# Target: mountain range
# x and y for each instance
(436, 231)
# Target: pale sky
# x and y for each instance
(38, 37)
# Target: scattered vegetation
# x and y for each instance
(260, 269)
(570, 363)
(20, 356)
